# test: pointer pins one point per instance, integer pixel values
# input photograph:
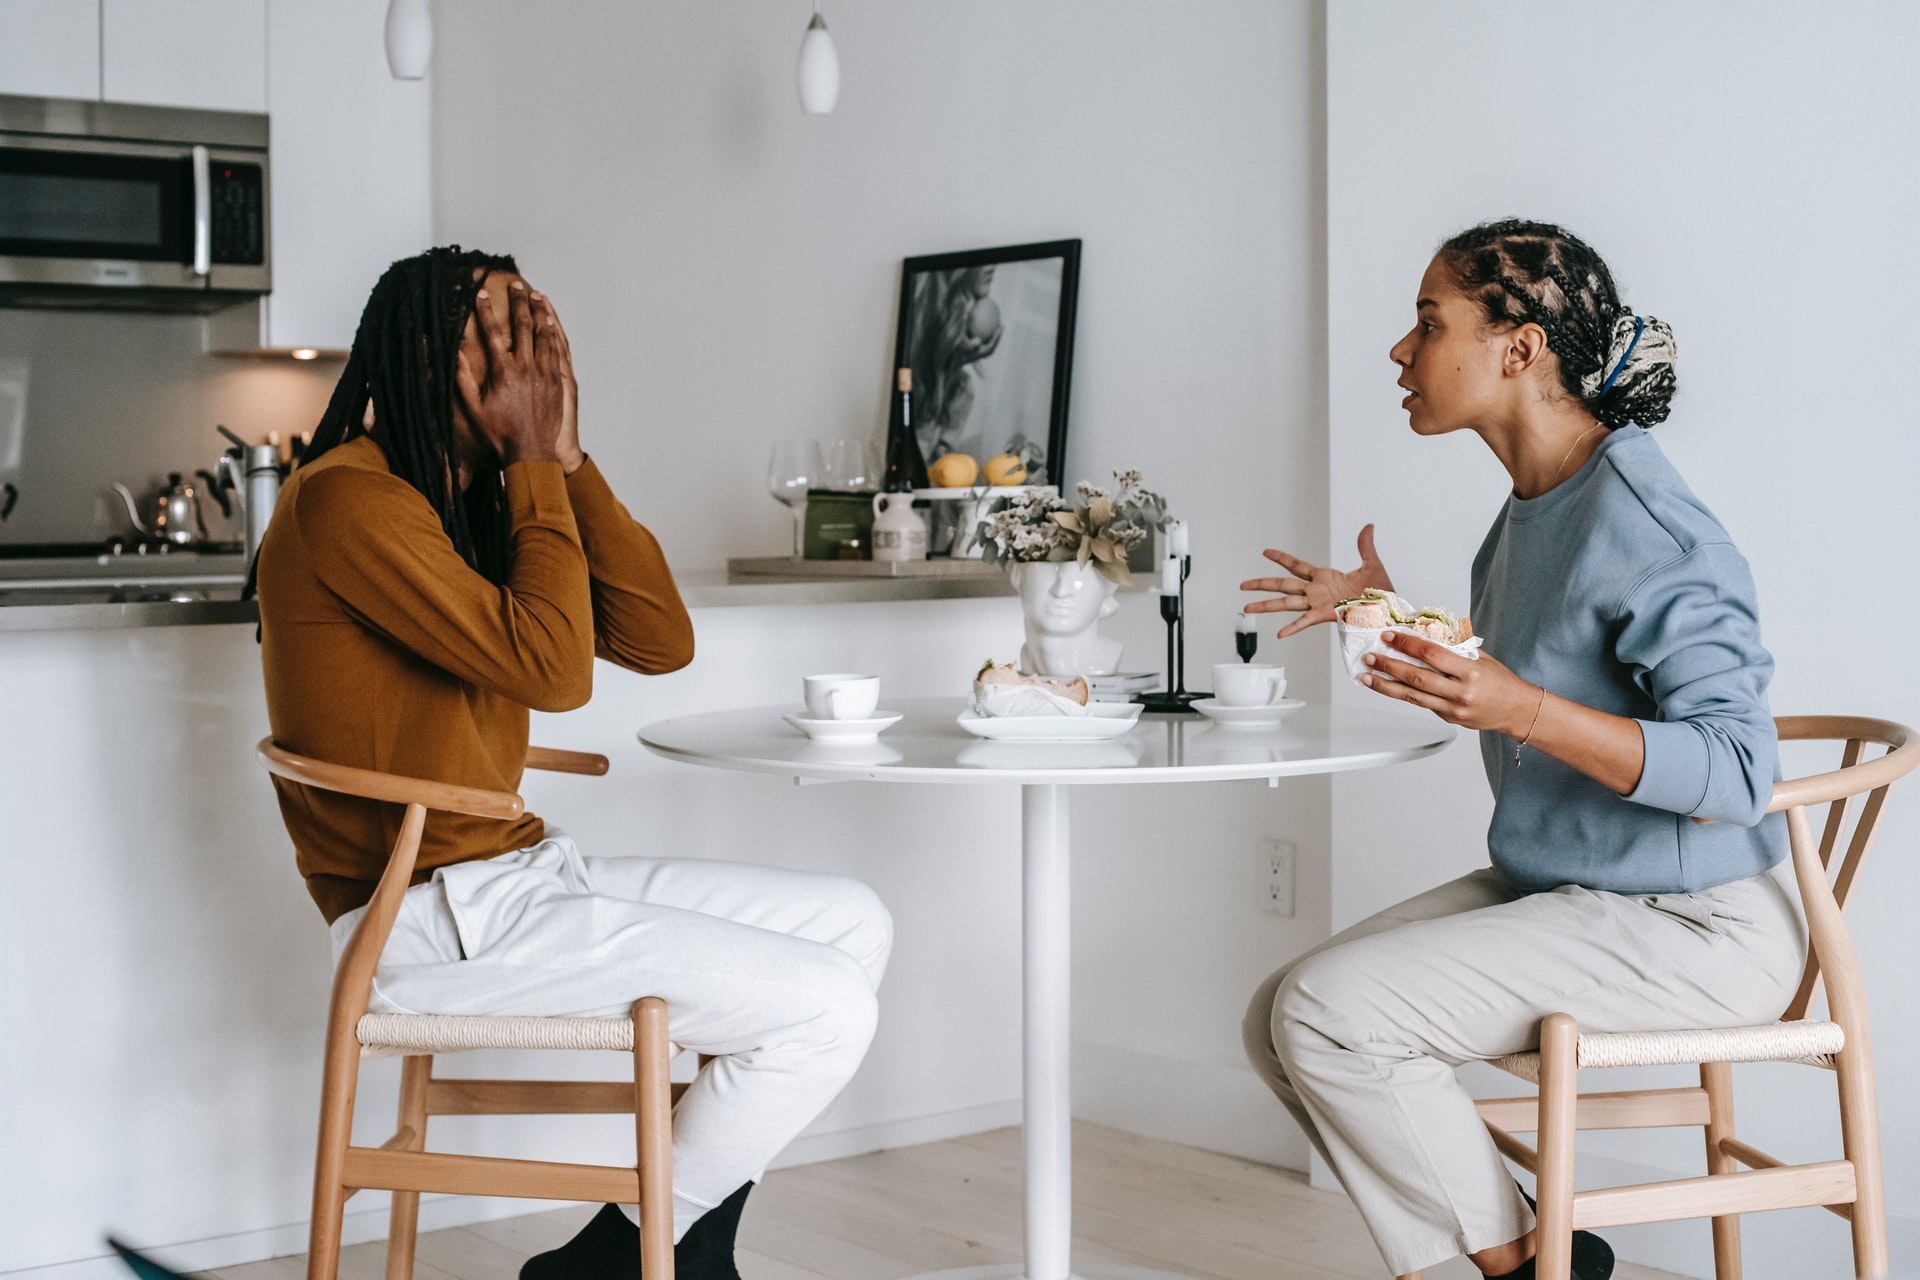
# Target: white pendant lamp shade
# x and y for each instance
(409, 39)
(819, 74)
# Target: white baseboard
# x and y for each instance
(370, 1221)
(1198, 1103)
(812, 1148)
(358, 1226)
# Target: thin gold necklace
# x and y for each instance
(1569, 454)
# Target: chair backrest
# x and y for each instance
(353, 977)
(1827, 884)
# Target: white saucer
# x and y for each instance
(1247, 717)
(845, 730)
(1104, 720)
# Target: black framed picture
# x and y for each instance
(989, 336)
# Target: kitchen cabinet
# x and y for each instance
(185, 53)
(352, 175)
(173, 53)
(50, 48)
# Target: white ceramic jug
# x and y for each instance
(898, 531)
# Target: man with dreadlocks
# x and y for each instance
(445, 558)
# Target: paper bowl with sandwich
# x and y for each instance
(1009, 704)
(1364, 620)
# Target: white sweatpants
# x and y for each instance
(773, 972)
(1359, 1037)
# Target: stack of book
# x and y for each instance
(1122, 685)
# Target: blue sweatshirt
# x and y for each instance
(1620, 591)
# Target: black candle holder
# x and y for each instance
(1174, 700)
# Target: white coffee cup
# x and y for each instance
(1248, 684)
(842, 696)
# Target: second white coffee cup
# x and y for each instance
(842, 696)
(1248, 684)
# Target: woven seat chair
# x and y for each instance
(1850, 1186)
(402, 1165)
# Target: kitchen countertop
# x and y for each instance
(144, 596)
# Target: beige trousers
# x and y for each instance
(1359, 1037)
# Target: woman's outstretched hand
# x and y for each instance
(1313, 590)
(1473, 693)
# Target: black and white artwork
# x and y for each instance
(989, 337)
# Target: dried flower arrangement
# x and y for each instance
(1099, 529)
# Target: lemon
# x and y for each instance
(952, 471)
(1006, 469)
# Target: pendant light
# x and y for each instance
(819, 73)
(409, 39)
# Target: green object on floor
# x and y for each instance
(143, 1266)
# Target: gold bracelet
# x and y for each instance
(1530, 728)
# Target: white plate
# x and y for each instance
(1247, 717)
(845, 730)
(1104, 720)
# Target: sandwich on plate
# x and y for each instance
(999, 689)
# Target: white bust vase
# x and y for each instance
(1063, 604)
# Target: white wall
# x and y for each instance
(1747, 172)
(728, 271)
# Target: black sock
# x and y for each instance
(1592, 1256)
(608, 1248)
(706, 1251)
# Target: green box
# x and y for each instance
(833, 517)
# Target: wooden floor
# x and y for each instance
(957, 1204)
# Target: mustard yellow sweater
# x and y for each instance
(383, 650)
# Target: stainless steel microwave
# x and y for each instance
(117, 205)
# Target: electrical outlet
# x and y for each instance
(1276, 876)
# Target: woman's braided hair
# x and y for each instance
(1619, 365)
(403, 363)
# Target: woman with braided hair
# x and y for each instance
(1621, 702)
(446, 558)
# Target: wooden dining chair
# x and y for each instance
(1850, 1186)
(402, 1164)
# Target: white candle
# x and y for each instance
(1177, 538)
(1246, 623)
(1170, 577)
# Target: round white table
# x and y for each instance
(927, 746)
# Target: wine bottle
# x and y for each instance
(906, 466)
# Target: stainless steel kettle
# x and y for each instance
(177, 518)
(254, 473)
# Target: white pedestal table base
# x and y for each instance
(1085, 1271)
(1047, 1024)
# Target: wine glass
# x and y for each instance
(850, 466)
(793, 469)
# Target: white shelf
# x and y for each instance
(989, 491)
